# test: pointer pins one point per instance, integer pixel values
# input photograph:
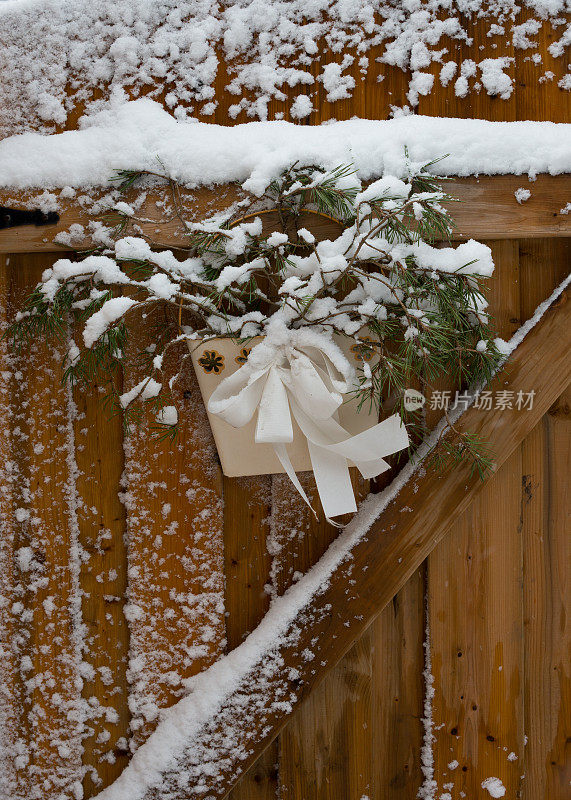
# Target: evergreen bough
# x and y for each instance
(414, 322)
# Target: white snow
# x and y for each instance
(141, 134)
(99, 322)
(429, 785)
(24, 558)
(168, 415)
(495, 80)
(477, 257)
(447, 72)
(272, 49)
(144, 390)
(521, 195)
(494, 787)
(301, 107)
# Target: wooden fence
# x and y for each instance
(145, 556)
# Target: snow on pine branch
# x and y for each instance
(268, 48)
(141, 135)
(408, 306)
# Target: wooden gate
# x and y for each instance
(129, 565)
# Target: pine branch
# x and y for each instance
(414, 321)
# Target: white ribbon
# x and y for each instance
(303, 381)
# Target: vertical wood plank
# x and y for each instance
(546, 528)
(325, 751)
(173, 497)
(477, 641)
(247, 510)
(13, 731)
(545, 100)
(474, 604)
(44, 599)
(297, 541)
(398, 693)
(101, 518)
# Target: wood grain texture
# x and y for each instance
(396, 638)
(324, 749)
(247, 564)
(392, 549)
(476, 637)
(545, 526)
(545, 100)
(173, 497)
(545, 523)
(487, 209)
(45, 648)
(98, 439)
(474, 607)
(359, 732)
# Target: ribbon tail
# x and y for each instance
(386, 438)
(282, 454)
(330, 448)
(333, 481)
(329, 467)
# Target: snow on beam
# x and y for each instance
(235, 709)
(490, 207)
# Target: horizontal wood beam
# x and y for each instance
(488, 210)
(411, 525)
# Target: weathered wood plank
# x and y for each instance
(247, 510)
(324, 749)
(487, 209)
(396, 638)
(476, 636)
(327, 748)
(545, 528)
(13, 779)
(359, 733)
(43, 601)
(247, 563)
(101, 519)
(383, 560)
(474, 607)
(173, 497)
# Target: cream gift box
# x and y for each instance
(240, 455)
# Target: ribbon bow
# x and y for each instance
(303, 381)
